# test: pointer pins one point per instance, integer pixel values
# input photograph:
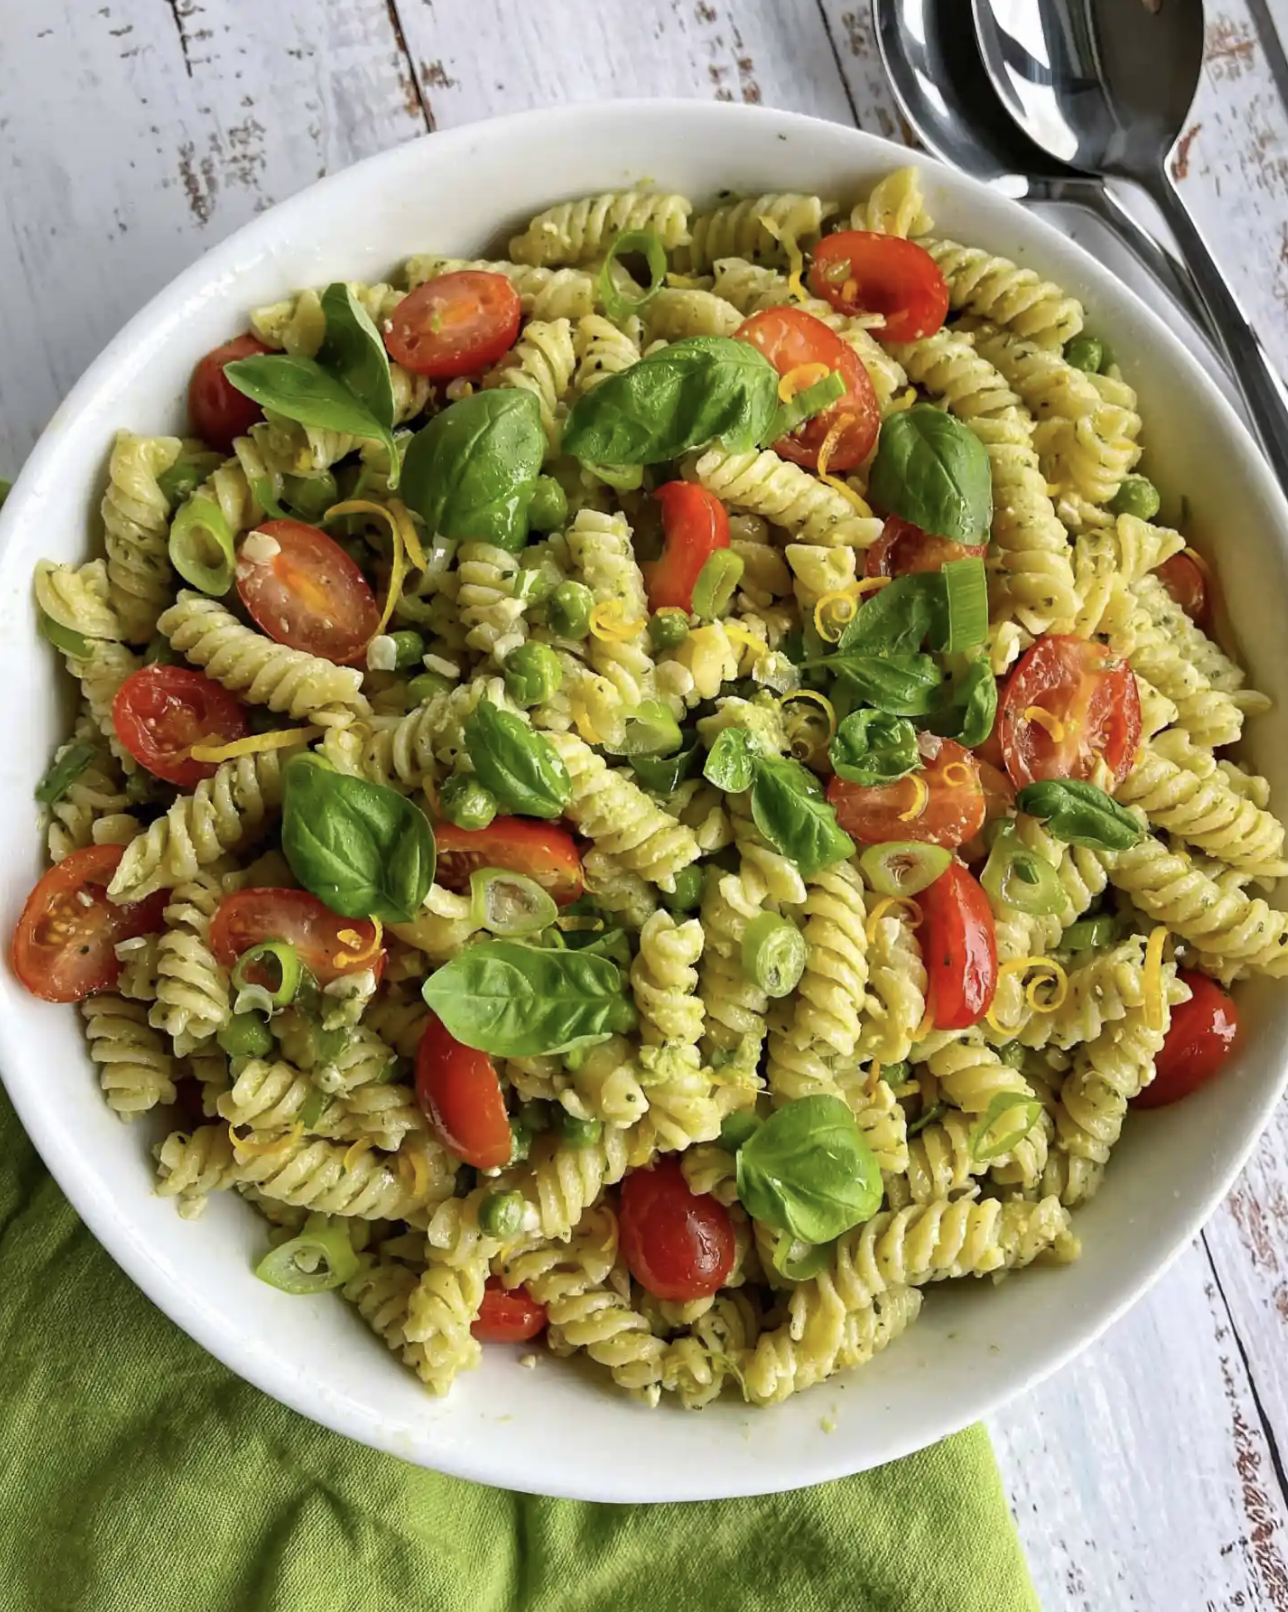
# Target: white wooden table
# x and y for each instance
(135, 133)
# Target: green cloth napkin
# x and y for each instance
(137, 1474)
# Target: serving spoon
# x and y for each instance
(932, 58)
(1106, 85)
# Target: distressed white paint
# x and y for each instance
(1144, 1477)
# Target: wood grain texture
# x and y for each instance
(1147, 1477)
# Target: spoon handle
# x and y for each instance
(1263, 390)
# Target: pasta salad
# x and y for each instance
(662, 794)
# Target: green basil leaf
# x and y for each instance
(471, 472)
(808, 1171)
(732, 761)
(804, 406)
(353, 350)
(512, 1000)
(873, 748)
(1081, 814)
(933, 471)
(519, 765)
(898, 619)
(986, 1143)
(900, 685)
(969, 711)
(610, 943)
(693, 392)
(788, 809)
(365, 850)
(63, 772)
(301, 390)
(665, 774)
(798, 1261)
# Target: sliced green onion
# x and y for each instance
(737, 1128)
(647, 241)
(201, 547)
(716, 582)
(70, 642)
(967, 590)
(797, 1260)
(245, 1036)
(315, 1105)
(63, 773)
(935, 1112)
(508, 903)
(1088, 934)
(426, 684)
(288, 965)
(501, 1214)
(320, 1258)
(982, 1148)
(804, 406)
(1014, 877)
(310, 496)
(904, 867)
(651, 730)
(579, 1132)
(185, 475)
(773, 954)
(664, 774)
(622, 478)
(264, 492)
(1012, 1054)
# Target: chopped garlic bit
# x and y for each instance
(382, 654)
(444, 668)
(261, 548)
(528, 1362)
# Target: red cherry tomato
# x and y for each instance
(310, 595)
(1093, 707)
(789, 338)
(250, 917)
(953, 810)
(1187, 582)
(456, 324)
(160, 712)
(959, 947)
(1199, 1040)
(64, 948)
(903, 549)
(460, 1095)
(678, 1243)
(858, 271)
(512, 1317)
(539, 851)
(219, 412)
(696, 525)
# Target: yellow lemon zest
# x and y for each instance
(922, 799)
(419, 1172)
(832, 612)
(850, 290)
(870, 585)
(904, 401)
(825, 453)
(585, 727)
(253, 743)
(1044, 719)
(795, 258)
(608, 622)
(927, 1018)
(885, 905)
(263, 1149)
(741, 635)
(1053, 974)
(958, 775)
(1155, 1007)
(683, 282)
(364, 1144)
(821, 700)
(351, 937)
(403, 542)
(801, 379)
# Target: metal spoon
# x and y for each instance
(932, 58)
(1107, 85)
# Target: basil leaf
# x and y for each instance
(970, 709)
(804, 406)
(471, 472)
(809, 1171)
(610, 943)
(365, 850)
(732, 761)
(873, 748)
(797, 1260)
(516, 1001)
(301, 390)
(354, 351)
(693, 392)
(933, 471)
(63, 772)
(788, 809)
(901, 685)
(897, 620)
(664, 774)
(519, 765)
(1081, 814)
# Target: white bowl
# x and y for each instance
(557, 1430)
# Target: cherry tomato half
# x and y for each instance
(310, 595)
(456, 324)
(1187, 582)
(696, 524)
(959, 947)
(540, 851)
(953, 809)
(64, 948)
(1092, 706)
(219, 412)
(160, 712)
(858, 271)
(249, 917)
(460, 1095)
(789, 338)
(511, 1317)
(904, 549)
(679, 1244)
(1199, 1040)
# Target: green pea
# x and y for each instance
(894, 1074)
(1137, 496)
(532, 674)
(520, 1142)
(464, 801)
(425, 685)
(549, 507)
(668, 628)
(501, 1214)
(569, 610)
(245, 1036)
(622, 1017)
(688, 890)
(1085, 353)
(579, 1132)
(409, 649)
(1012, 1053)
